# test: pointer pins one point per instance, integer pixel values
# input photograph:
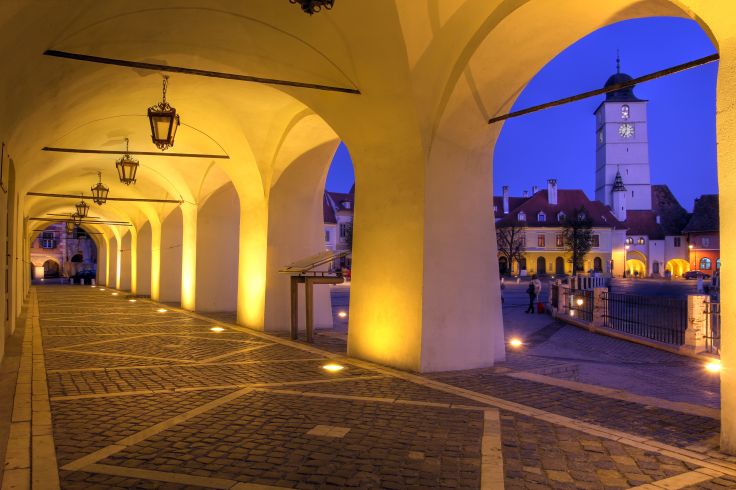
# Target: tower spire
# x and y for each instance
(618, 62)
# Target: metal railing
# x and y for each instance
(657, 318)
(580, 304)
(713, 327)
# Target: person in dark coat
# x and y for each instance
(532, 292)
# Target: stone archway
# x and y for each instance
(559, 266)
(677, 267)
(541, 266)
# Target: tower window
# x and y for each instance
(632, 193)
(541, 217)
(521, 216)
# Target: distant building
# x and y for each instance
(639, 228)
(56, 253)
(337, 209)
(702, 235)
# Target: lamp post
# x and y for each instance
(693, 251)
(626, 257)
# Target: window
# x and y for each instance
(632, 193)
(558, 241)
(327, 235)
(596, 241)
(344, 230)
(624, 111)
(540, 241)
(705, 263)
(541, 217)
(523, 241)
(561, 216)
(495, 209)
(629, 240)
(47, 240)
(640, 241)
(677, 241)
(705, 241)
(521, 216)
(718, 263)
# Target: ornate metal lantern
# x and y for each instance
(99, 191)
(313, 6)
(82, 208)
(69, 227)
(164, 122)
(127, 167)
(76, 219)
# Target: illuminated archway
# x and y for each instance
(677, 267)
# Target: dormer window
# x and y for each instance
(541, 217)
(346, 204)
(581, 216)
(561, 217)
(640, 241)
(521, 216)
(629, 240)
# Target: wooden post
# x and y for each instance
(294, 307)
(309, 303)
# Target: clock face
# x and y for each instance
(626, 130)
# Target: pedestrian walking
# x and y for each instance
(537, 288)
(699, 285)
(531, 291)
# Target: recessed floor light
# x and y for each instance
(114, 294)
(713, 367)
(332, 367)
(102, 289)
(217, 329)
(132, 300)
(342, 314)
(162, 310)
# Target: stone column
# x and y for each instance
(695, 333)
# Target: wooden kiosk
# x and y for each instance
(305, 271)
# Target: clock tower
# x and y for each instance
(622, 146)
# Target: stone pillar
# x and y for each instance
(599, 307)
(695, 333)
(188, 255)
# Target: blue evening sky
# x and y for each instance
(560, 142)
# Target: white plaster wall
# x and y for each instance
(113, 271)
(171, 239)
(143, 260)
(218, 221)
(125, 262)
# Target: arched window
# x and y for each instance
(705, 263)
(629, 240)
(640, 241)
(521, 216)
(718, 263)
(561, 216)
(541, 217)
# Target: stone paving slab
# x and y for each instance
(664, 425)
(262, 438)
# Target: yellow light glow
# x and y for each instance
(713, 367)
(572, 312)
(516, 342)
(217, 329)
(102, 289)
(342, 314)
(579, 301)
(162, 310)
(114, 294)
(132, 300)
(93, 286)
(333, 368)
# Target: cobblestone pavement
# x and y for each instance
(135, 397)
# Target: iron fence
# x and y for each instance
(713, 327)
(657, 318)
(580, 304)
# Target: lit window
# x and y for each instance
(521, 216)
(558, 241)
(540, 241)
(718, 263)
(596, 240)
(705, 263)
(640, 241)
(327, 235)
(677, 241)
(541, 217)
(629, 240)
(624, 111)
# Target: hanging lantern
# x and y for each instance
(99, 191)
(76, 219)
(82, 208)
(164, 122)
(69, 227)
(127, 167)
(313, 6)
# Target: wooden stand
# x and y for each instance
(309, 282)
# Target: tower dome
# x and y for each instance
(622, 95)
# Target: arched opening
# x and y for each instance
(677, 267)
(597, 264)
(503, 266)
(51, 269)
(77, 258)
(143, 260)
(559, 266)
(218, 223)
(541, 266)
(636, 264)
(171, 257)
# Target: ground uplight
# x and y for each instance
(332, 367)
(342, 314)
(132, 300)
(162, 310)
(102, 289)
(217, 329)
(713, 366)
(114, 294)
(516, 342)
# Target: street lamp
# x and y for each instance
(692, 250)
(99, 191)
(164, 121)
(76, 219)
(127, 166)
(82, 209)
(312, 6)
